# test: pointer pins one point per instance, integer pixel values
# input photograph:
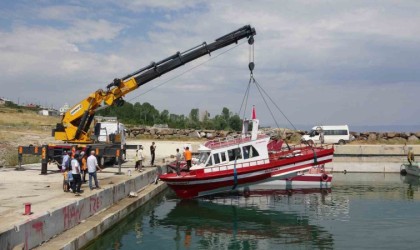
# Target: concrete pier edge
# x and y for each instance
(88, 230)
(44, 226)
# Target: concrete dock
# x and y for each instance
(53, 211)
(371, 158)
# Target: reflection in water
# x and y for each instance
(246, 223)
(413, 185)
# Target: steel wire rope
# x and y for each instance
(188, 70)
(275, 104)
(284, 115)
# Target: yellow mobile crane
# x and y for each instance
(75, 127)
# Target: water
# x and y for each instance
(360, 211)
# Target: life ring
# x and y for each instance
(324, 177)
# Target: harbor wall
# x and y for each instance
(41, 228)
(370, 158)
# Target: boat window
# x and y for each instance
(223, 154)
(210, 162)
(202, 158)
(234, 154)
(249, 152)
(216, 158)
(313, 133)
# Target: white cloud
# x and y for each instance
(323, 61)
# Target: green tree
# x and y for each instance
(235, 123)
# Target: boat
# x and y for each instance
(410, 168)
(246, 159)
(315, 177)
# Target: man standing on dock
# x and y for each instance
(410, 155)
(92, 164)
(152, 154)
(77, 178)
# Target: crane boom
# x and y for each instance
(76, 122)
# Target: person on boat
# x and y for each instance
(178, 162)
(410, 156)
(188, 157)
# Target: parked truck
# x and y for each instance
(76, 129)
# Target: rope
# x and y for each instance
(188, 70)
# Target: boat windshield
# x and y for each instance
(313, 133)
(202, 158)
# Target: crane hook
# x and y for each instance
(251, 66)
(251, 40)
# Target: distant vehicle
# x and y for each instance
(333, 134)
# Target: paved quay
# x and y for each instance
(54, 211)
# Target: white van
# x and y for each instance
(333, 134)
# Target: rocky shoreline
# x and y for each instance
(372, 137)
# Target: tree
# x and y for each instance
(235, 123)
(194, 115)
(164, 116)
(226, 114)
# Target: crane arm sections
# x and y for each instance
(77, 120)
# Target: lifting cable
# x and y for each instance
(262, 92)
(186, 71)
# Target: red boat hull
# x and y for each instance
(223, 178)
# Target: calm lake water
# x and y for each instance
(360, 211)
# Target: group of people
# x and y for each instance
(139, 158)
(187, 157)
(74, 168)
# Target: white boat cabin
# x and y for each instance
(246, 147)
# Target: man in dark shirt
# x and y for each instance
(152, 154)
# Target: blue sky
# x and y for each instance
(323, 62)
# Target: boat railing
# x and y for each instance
(229, 140)
(299, 149)
(236, 165)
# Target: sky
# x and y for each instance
(322, 62)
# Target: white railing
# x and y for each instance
(238, 165)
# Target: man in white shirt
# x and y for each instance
(92, 165)
(77, 178)
(139, 159)
(65, 162)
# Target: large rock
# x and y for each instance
(405, 135)
(222, 133)
(153, 131)
(391, 134)
(210, 136)
(417, 134)
(166, 131)
(381, 135)
(194, 134)
(372, 137)
(413, 138)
